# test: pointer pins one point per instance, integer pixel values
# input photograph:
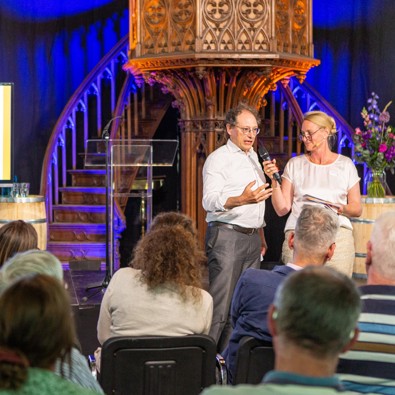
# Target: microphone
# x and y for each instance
(315, 145)
(265, 156)
(105, 133)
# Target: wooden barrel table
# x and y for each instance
(30, 209)
(362, 227)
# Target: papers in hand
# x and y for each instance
(333, 206)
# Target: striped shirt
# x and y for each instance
(370, 365)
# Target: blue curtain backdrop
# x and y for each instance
(48, 47)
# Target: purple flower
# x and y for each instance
(383, 148)
(384, 117)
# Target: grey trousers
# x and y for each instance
(229, 253)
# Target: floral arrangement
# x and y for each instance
(375, 145)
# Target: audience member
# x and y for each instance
(371, 364)
(36, 329)
(43, 262)
(312, 320)
(173, 218)
(16, 236)
(161, 294)
(312, 243)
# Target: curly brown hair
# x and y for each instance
(170, 255)
(172, 218)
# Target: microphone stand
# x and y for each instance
(108, 275)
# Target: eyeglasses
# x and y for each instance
(308, 136)
(245, 130)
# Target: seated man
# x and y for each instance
(312, 244)
(370, 365)
(312, 320)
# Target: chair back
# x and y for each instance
(253, 360)
(157, 365)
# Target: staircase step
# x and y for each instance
(77, 232)
(88, 177)
(83, 195)
(66, 251)
(79, 213)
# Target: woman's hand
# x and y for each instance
(270, 167)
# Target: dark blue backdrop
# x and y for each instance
(48, 47)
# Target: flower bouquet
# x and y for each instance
(375, 145)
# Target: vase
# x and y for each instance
(376, 183)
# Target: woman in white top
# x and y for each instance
(161, 294)
(325, 175)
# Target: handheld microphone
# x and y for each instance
(265, 156)
(105, 133)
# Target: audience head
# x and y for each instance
(315, 235)
(30, 262)
(170, 255)
(36, 327)
(380, 261)
(316, 309)
(16, 236)
(172, 218)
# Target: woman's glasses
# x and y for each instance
(307, 135)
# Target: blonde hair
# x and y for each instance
(322, 120)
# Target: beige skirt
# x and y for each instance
(343, 258)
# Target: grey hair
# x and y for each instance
(233, 113)
(383, 245)
(318, 310)
(315, 230)
(30, 262)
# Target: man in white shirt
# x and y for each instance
(234, 194)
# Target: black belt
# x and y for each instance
(237, 228)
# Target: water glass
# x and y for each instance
(14, 192)
(24, 189)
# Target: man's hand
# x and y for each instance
(249, 196)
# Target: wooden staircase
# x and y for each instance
(75, 193)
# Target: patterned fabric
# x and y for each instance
(370, 365)
(79, 373)
(45, 382)
(283, 383)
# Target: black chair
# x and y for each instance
(158, 365)
(253, 360)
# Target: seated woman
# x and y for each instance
(16, 236)
(161, 293)
(36, 330)
(43, 262)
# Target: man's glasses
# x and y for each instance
(308, 136)
(247, 130)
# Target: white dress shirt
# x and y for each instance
(226, 173)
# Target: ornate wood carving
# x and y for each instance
(211, 54)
